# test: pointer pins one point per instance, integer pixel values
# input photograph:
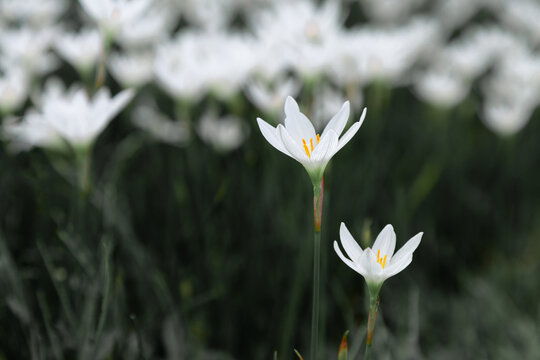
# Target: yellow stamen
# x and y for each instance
(384, 262)
(318, 139)
(378, 253)
(306, 148)
(311, 142)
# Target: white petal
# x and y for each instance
(349, 244)
(385, 242)
(338, 121)
(356, 267)
(297, 124)
(292, 147)
(397, 267)
(291, 107)
(408, 248)
(271, 135)
(325, 148)
(351, 132)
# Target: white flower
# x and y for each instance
(28, 49)
(14, 87)
(80, 50)
(298, 139)
(224, 134)
(441, 88)
(377, 264)
(196, 63)
(71, 116)
(36, 12)
(271, 98)
(132, 69)
(148, 118)
(112, 15)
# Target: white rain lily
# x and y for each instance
(70, 116)
(36, 12)
(14, 88)
(132, 69)
(146, 117)
(112, 15)
(81, 50)
(222, 133)
(441, 88)
(271, 97)
(377, 264)
(298, 139)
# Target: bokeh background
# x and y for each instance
(195, 238)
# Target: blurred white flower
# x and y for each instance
(148, 118)
(71, 116)
(299, 33)
(441, 88)
(506, 119)
(212, 15)
(149, 29)
(522, 15)
(377, 264)
(31, 132)
(133, 69)
(298, 139)
(382, 54)
(222, 133)
(196, 63)
(81, 50)
(14, 88)
(326, 99)
(29, 49)
(390, 10)
(271, 97)
(34, 12)
(112, 15)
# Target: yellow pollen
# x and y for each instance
(306, 148)
(318, 138)
(380, 259)
(311, 142)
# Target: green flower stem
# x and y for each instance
(100, 72)
(318, 191)
(373, 308)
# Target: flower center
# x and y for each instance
(306, 148)
(380, 259)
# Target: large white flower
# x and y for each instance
(377, 264)
(298, 139)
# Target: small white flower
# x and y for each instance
(223, 134)
(377, 264)
(148, 118)
(298, 139)
(14, 88)
(112, 15)
(271, 98)
(441, 88)
(80, 50)
(132, 69)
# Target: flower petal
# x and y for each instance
(397, 267)
(349, 244)
(338, 121)
(355, 266)
(292, 147)
(407, 249)
(297, 124)
(351, 132)
(385, 242)
(271, 135)
(325, 148)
